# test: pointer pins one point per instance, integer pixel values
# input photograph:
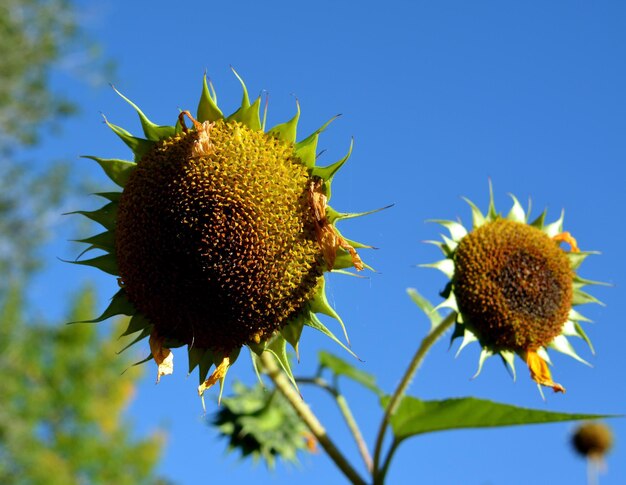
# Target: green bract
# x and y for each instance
(512, 287)
(220, 236)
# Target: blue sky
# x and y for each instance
(440, 97)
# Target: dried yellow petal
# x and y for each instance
(566, 237)
(161, 355)
(540, 373)
(218, 373)
(326, 234)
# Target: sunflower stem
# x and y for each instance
(285, 387)
(385, 468)
(346, 412)
(400, 391)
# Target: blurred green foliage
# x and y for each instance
(62, 399)
(37, 39)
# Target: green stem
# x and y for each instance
(302, 409)
(383, 471)
(397, 396)
(346, 412)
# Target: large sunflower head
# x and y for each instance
(513, 287)
(220, 236)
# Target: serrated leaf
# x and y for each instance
(340, 367)
(415, 416)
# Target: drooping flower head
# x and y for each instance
(512, 287)
(262, 424)
(220, 236)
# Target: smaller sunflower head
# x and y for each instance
(513, 287)
(262, 424)
(220, 236)
(593, 440)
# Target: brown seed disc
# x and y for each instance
(218, 248)
(513, 284)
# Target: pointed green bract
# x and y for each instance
(137, 322)
(104, 241)
(105, 216)
(139, 146)
(278, 348)
(142, 335)
(306, 150)
(151, 131)
(287, 131)
(327, 173)
(119, 306)
(106, 263)
(207, 107)
(117, 170)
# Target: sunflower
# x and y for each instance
(220, 237)
(513, 287)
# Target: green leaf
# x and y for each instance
(341, 367)
(415, 416)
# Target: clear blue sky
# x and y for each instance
(440, 97)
